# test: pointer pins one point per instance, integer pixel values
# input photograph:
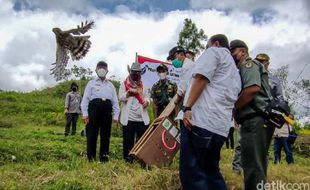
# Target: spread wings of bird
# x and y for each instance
(72, 43)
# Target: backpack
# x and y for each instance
(275, 110)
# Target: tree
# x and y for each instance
(81, 72)
(190, 38)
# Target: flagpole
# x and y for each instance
(136, 57)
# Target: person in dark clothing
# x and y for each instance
(72, 108)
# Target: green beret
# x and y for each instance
(237, 44)
(262, 57)
(162, 66)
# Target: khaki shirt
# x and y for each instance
(253, 73)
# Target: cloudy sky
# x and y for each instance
(149, 27)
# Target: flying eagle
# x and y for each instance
(70, 41)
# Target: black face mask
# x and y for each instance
(74, 89)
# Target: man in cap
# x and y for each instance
(190, 55)
(255, 93)
(72, 108)
(179, 60)
(162, 91)
(134, 117)
(99, 105)
(208, 106)
(275, 87)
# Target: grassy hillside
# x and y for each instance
(34, 154)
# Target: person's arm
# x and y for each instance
(203, 73)
(198, 84)
(146, 97)
(122, 94)
(185, 76)
(154, 109)
(251, 80)
(246, 96)
(115, 105)
(153, 102)
(67, 103)
(85, 102)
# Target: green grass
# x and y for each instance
(45, 159)
(34, 154)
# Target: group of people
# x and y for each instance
(223, 83)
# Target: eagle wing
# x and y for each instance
(83, 28)
(60, 65)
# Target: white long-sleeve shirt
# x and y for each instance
(98, 88)
(185, 76)
(127, 102)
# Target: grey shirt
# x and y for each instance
(275, 86)
(72, 102)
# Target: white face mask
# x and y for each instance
(101, 72)
(162, 76)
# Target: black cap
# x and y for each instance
(162, 66)
(237, 44)
(74, 84)
(175, 50)
(102, 63)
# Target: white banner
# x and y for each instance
(149, 73)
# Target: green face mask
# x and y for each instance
(177, 63)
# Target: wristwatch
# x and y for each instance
(185, 109)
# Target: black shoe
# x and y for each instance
(104, 158)
(66, 134)
(82, 133)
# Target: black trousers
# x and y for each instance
(230, 139)
(71, 120)
(100, 120)
(131, 134)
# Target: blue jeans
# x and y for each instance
(199, 159)
(280, 142)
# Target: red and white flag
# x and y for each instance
(149, 73)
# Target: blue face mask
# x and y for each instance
(177, 63)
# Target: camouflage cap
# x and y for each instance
(237, 44)
(262, 57)
(162, 66)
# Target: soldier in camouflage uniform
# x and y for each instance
(162, 91)
(255, 93)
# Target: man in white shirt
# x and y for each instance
(98, 104)
(135, 99)
(207, 115)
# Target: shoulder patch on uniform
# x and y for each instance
(249, 64)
